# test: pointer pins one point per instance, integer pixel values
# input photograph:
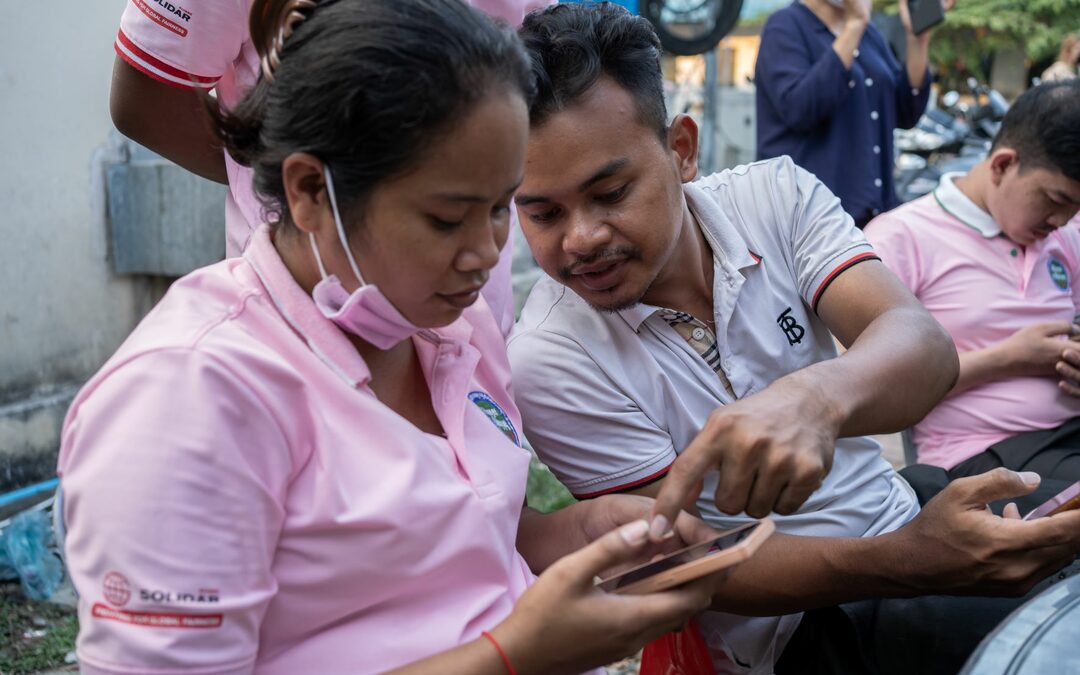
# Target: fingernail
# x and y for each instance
(659, 528)
(634, 533)
(1030, 477)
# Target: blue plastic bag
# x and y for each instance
(25, 554)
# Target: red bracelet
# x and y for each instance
(505, 658)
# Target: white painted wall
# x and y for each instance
(62, 312)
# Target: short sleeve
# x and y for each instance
(894, 241)
(190, 46)
(1069, 236)
(821, 236)
(174, 477)
(592, 436)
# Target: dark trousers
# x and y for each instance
(1051, 453)
(931, 635)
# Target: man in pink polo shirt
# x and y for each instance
(988, 255)
(167, 55)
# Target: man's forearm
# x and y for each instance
(895, 372)
(791, 574)
(172, 122)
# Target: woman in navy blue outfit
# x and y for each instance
(830, 92)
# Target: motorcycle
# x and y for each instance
(952, 137)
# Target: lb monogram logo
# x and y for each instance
(792, 330)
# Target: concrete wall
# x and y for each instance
(62, 312)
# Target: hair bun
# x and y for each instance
(271, 23)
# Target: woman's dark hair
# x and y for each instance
(1043, 127)
(365, 85)
(572, 45)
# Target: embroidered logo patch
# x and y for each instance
(1058, 273)
(496, 414)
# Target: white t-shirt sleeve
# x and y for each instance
(190, 47)
(592, 436)
(174, 477)
(821, 236)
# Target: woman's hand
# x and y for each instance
(858, 11)
(564, 624)
(608, 512)
(544, 538)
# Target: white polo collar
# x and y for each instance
(720, 235)
(959, 206)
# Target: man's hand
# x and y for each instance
(1036, 349)
(772, 449)
(957, 546)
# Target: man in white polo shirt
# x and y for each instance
(988, 254)
(689, 339)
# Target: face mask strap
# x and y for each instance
(318, 258)
(340, 228)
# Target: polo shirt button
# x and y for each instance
(698, 334)
(869, 82)
(856, 53)
(877, 182)
(851, 84)
(875, 211)
(877, 149)
(914, 91)
(874, 115)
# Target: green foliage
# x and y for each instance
(975, 29)
(544, 492)
(34, 636)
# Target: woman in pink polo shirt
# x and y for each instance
(306, 459)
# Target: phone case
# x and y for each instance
(925, 14)
(1066, 500)
(698, 568)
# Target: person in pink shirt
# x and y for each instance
(168, 54)
(988, 254)
(307, 459)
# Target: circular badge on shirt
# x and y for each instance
(116, 589)
(1058, 273)
(496, 414)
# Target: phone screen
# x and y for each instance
(724, 541)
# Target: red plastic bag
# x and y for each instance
(681, 653)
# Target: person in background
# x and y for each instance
(1065, 66)
(307, 459)
(167, 55)
(990, 256)
(830, 93)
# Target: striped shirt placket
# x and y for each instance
(701, 339)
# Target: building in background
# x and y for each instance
(67, 300)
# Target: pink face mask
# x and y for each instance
(365, 312)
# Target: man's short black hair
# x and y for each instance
(1043, 127)
(573, 45)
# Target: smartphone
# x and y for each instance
(1066, 500)
(728, 548)
(925, 14)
